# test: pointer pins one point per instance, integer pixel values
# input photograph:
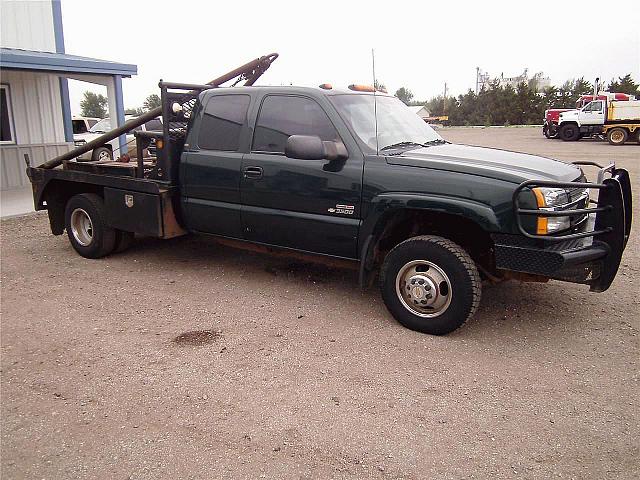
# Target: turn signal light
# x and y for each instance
(542, 227)
(159, 143)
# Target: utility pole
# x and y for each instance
(477, 79)
(444, 100)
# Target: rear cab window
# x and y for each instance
(222, 122)
(282, 116)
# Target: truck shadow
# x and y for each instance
(529, 308)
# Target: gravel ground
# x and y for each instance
(188, 359)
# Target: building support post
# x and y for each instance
(117, 80)
(116, 112)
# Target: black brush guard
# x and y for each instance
(571, 256)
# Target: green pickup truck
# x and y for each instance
(350, 174)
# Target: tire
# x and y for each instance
(617, 136)
(102, 154)
(123, 240)
(545, 131)
(423, 266)
(569, 132)
(550, 131)
(87, 230)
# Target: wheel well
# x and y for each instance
(404, 224)
(57, 193)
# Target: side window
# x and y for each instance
(282, 116)
(596, 106)
(222, 121)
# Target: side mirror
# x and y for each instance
(309, 147)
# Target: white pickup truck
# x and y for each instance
(111, 149)
(618, 120)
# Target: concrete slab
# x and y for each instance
(16, 202)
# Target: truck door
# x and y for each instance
(593, 113)
(311, 205)
(210, 168)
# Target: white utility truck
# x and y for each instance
(618, 120)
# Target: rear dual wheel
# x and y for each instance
(617, 136)
(87, 229)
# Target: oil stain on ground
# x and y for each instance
(197, 338)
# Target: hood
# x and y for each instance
(570, 113)
(87, 136)
(488, 162)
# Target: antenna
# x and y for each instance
(375, 103)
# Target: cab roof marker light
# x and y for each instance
(361, 88)
(325, 86)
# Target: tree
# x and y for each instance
(152, 101)
(624, 85)
(404, 94)
(93, 105)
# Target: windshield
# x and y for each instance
(397, 124)
(102, 126)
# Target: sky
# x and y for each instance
(419, 45)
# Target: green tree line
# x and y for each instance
(95, 105)
(523, 105)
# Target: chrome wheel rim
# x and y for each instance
(424, 288)
(81, 227)
(617, 136)
(104, 155)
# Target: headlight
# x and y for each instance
(550, 199)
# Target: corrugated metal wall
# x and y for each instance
(28, 25)
(38, 125)
(36, 105)
(12, 165)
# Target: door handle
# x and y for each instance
(252, 172)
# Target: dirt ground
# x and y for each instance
(187, 359)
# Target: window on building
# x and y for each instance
(224, 116)
(6, 116)
(283, 116)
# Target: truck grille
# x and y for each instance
(578, 198)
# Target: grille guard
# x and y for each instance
(613, 216)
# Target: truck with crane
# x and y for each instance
(346, 173)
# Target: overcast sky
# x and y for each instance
(420, 45)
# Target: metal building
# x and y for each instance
(34, 96)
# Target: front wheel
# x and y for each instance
(569, 132)
(550, 131)
(87, 229)
(102, 154)
(430, 284)
(617, 136)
